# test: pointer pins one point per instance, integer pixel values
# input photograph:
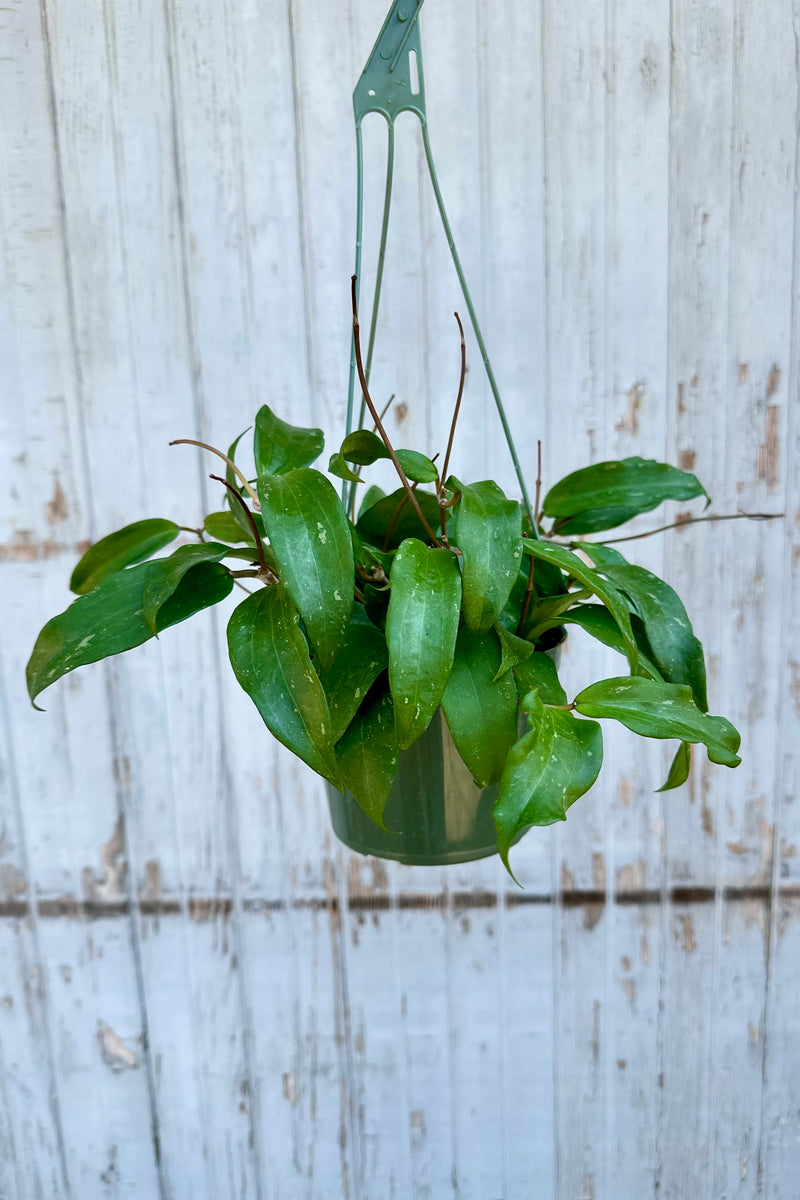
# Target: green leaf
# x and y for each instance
(164, 575)
(337, 466)
(279, 447)
(371, 496)
(539, 674)
(514, 650)
(605, 591)
(546, 771)
(110, 619)
(480, 710)
(359, 662)
(270, 659)
(609, 493)
(421, 628)
(363, 447)
(679, 771)
(418, 467)
(310, 538)
(599, 623)
(602, 556)
(223, 527)
(121, 549)
(661, 710)
(374, 522)
(675, 649)
(489, 534)
(368, 755)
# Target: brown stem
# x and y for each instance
(378, 423)
(224, 457)
(385, 409)
(355, 483)
(528, 593)
(537, 515)
(632, 537)
(446, 467)
(198, 533)
(264, 570)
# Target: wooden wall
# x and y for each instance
(202, 995)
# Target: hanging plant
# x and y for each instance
(436, 607)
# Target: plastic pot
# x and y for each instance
(435, 811)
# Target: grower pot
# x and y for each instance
(435, 814)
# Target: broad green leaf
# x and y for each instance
(661, 710)
(360, 660)
(395, 510)
(599, 623)
(602, 556)
(609, 493)
(371, 496)
(679, 771)
(674, 647)
(270, 659)
(121, 549)
(310, 538)
(575, 567)
(489, 534)
(164, 575)
(363, 447)
(539, 674)
(110, 619)
(514, 650)
(338, 467)
(546, 771)
(421, 628)
(279, 447)
(223, 527)
(367, 757)
(480, 710)
(418, 467)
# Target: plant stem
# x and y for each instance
(351, 503)
(537, 512)
(528, 594)
(198, 533)
(463, 376)
(264, 572)
(224, 457)
(445, 469)
(379, 425)
(385, 409)
(632, 537)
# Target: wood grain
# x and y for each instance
(204, 996)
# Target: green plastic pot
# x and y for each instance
(436, 813)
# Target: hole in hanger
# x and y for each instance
(371, 92)
(414, 72)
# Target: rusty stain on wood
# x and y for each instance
(686, 460)
(768, 453)
(686, 922)
(57, 509)
(629, 422)
(742, 371)
(26, 547)
(110, 885)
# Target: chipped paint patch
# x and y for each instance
(113, 1051)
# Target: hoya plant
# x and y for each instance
(361, 623)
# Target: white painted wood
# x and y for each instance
(281, 1017)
